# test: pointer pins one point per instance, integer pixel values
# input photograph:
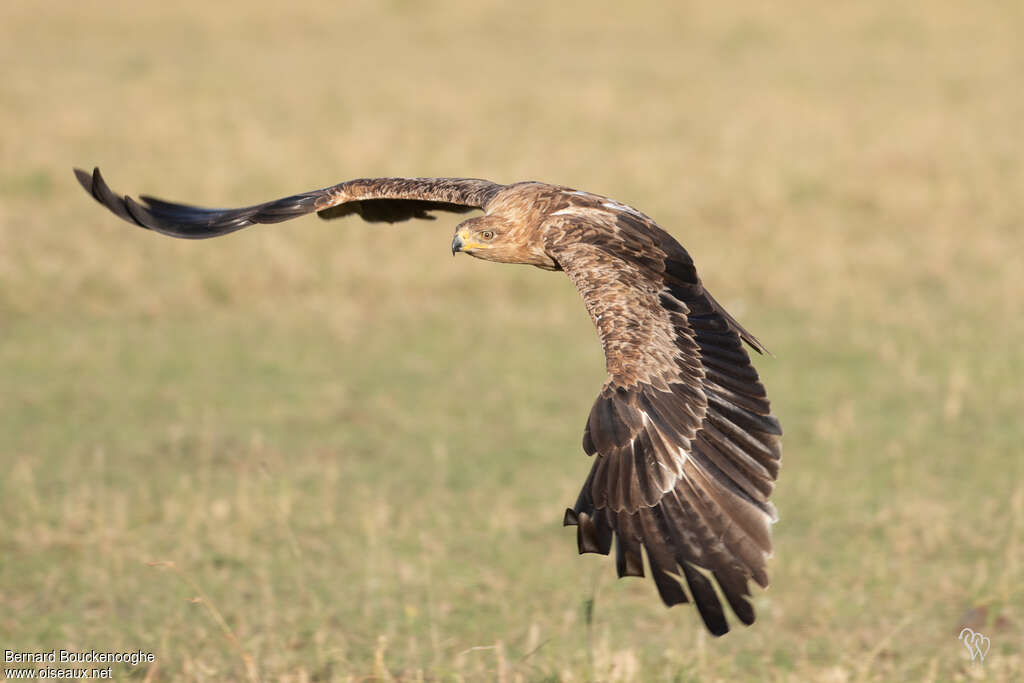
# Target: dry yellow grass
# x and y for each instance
(357, 449)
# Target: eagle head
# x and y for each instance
(493, 238)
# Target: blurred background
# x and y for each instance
(330, 451)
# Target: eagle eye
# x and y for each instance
(487, 235)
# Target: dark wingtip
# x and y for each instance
(99, 190)
(587, 538)
(141, 215)
(570, 518)
(84, 179)
(717, 629)
(185, 221)
(755, 343)
(762, 349)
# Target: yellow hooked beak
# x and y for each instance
(462, 242)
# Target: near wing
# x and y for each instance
(686, 448)
(375, 199)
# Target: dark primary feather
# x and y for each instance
(375, 200)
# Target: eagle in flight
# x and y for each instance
(686, 450)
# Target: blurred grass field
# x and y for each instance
(329, 451)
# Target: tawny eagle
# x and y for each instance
(687, 450)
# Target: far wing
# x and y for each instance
(374, 199)
(686, 448)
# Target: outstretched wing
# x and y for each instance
(375, 199)
(686, 448)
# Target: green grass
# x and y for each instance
(329, 451)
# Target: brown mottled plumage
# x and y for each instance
(686, 448)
